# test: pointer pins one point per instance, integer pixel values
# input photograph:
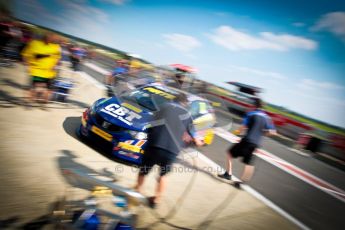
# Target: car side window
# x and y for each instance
(198, 108)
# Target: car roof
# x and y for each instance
(190, 97)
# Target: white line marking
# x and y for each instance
(92, 80)
(289, 168)
(298, 152)
(96, 68)
(256, 194)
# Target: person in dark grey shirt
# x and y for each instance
(166, 138)
(257, 123)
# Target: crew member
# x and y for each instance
(120, 68)
(256, 123)
(76, 56)
(166, 138)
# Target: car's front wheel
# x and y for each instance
(79, 133)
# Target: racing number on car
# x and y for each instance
(122, 113)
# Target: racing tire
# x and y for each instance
(79, 134)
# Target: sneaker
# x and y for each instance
(238, 184)
(226, 176)
(152, 204)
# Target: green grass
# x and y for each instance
(318, 125)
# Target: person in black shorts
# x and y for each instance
(38, 81)
(165, 140)
(256, 123)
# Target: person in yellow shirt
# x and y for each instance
(42, 57)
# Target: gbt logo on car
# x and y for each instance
(123, 114)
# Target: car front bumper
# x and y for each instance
(122, 147)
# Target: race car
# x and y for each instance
(122, 121)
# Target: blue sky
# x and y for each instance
(295, 50)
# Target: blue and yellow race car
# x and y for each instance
(122, 121)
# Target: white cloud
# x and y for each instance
(259, 72)
(235, 40)
(333, 22)
(116, 2)
(289, 41)
(319, 85)
(181, 42)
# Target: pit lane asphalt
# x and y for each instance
(310, 205)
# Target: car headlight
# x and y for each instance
(138, 135)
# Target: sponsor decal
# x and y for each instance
(132, 107)
(140, 143)
(160, 92)
(131, 155)
(101, 133)
(123, 114)
(129, 147)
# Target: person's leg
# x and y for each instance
(108, 79)
(145, 168)
(74, 64)
(31, 91)
(109, 82)
(248, 172)
(166, 160)
(140, 182)
(46, 95)
(229, 163)
(40, 91)
(37, 92)
(160, 189)
(48, 91)
(228, 173)
(31, 94)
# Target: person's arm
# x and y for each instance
(241, 130)
(28, 53)
(192, 133)
(271, 132)
(270, 128)
(58, 57)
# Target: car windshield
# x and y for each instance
(144, 97)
